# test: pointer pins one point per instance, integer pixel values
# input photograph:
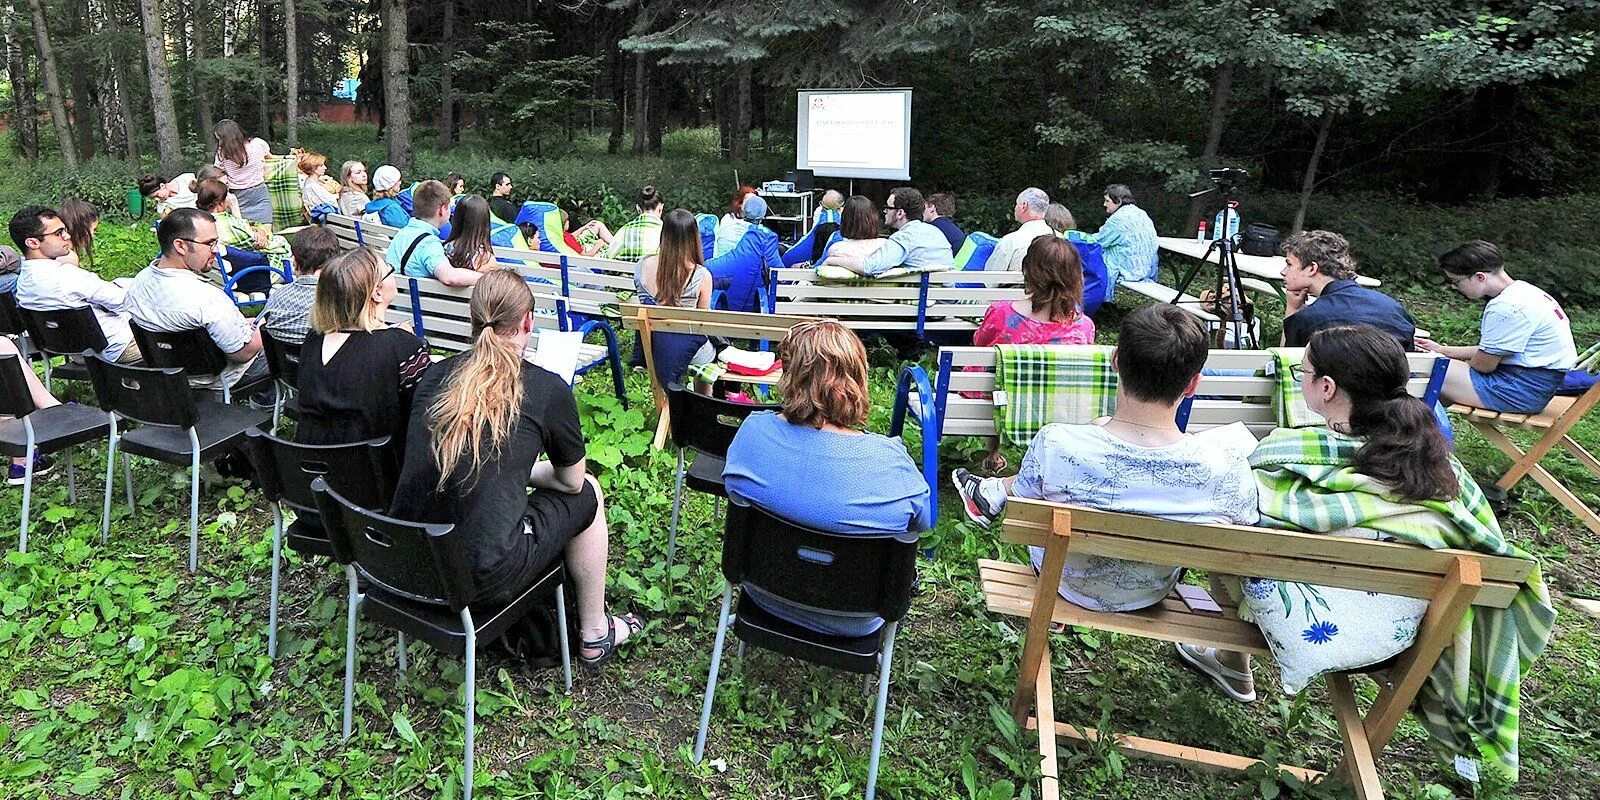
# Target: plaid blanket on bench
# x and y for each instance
(1041, 383)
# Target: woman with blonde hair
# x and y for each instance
(813, 465)
(353, 197)
(357, 372)
(315, 185)
(480, 422)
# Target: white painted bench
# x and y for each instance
(935, 302)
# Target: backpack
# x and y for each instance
(536, 638)
(1260, 240)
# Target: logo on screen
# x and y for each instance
(817, 104)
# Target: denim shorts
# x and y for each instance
(1517, 390)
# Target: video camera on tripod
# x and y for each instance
(1230, 290)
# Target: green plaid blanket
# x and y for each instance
(283, 185)
(709, 373)
(239, 234)
(1044, 383)
(639, 238)
(1470, 702)
(1589, 360)
(1289, 401)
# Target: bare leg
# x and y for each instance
(1458, 385)
(586, 560)
(36, 390)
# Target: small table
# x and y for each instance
(802, 223)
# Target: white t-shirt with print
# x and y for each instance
(1204, 477)
(1528, 328)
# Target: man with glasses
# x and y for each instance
(914, 245)
(171, 295)
(45, 284)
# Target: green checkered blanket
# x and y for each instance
(1471, 699)
(639, 238)
(283, 185)
(708, 373)
(1589, 360)
(1289, 401)
(1044, 383)
(239, 234)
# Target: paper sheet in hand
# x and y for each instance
(558, 352)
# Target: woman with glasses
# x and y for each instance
(357, 372)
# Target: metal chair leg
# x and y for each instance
(883, 702)
(716, 664)
(677, 504)
(194, 502)
(72, 478)
(470, 681)
(111, 474)
(272, 603)
(400, 652)
(561, 625)
(127, 479)
(27, 489)
(350, 650)
(277, 405)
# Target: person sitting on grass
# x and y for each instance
(416, 251)
(287, 314)
(479, 424)
(642, 235)
(1318, 264)
(813, 465)
(240, 234)
(1135, 461)
(914, 244)
(1525, 347)
(168, 194)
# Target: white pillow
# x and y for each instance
(1313, 630)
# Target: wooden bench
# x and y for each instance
(933, 302)
(1453, 581)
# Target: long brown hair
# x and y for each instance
(231, 142)
(212, 196)
(479, 403)
(859, 219)
(824, 376)
(679, 257)
(1403, 447)
(80, 216)
(1052, 276)
(469, 232)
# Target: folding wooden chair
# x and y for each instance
(1452, 580)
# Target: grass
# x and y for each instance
(123, 676)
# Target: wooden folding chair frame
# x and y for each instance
(1451, 580)
(1557, 431)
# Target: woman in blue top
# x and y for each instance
(813, 465)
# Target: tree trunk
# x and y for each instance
(24, 103)
(447, 118)
(113, 113)
(52, 85)
(619, 99)
(263, 25)
(130, 115)
(641, 99)
(739, 149)
(291, 79)
(155, 52)
(1309, 182)
(396, 88)
(1220, 87)
(204, 117)
(84, 101)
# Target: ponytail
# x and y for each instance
(477, 408)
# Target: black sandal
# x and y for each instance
(607, 645)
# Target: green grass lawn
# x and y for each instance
(124, 676)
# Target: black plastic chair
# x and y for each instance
(194, 351)
(362, 472)
(174, 429)
(64, 332)
(851, 574)
(283, 364)
(12, 324)
(41, 430)
(419, 582)
(704, 425)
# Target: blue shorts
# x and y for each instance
(1517, 390)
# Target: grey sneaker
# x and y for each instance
(972, 501)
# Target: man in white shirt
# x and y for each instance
(1030, 208)
(171, 295)
(45, 284)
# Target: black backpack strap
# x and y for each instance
(406, 258)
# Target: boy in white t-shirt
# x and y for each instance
(1525, 345)
(1135, 461)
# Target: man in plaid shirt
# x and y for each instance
(287, 315)
(642, 236)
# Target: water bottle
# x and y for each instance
(1201, 235)
(1234, 233)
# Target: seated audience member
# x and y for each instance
(590, 238)
(1135, 461)
(287, 314)
(17, 473)
(479, 423)
(385, 207)
(239, 234)
(353, 198)
(676, 276)
(830, 209)
(45, 283)
(316, 188)
(176, 193)
(1382, 470)
(1129, 239)
(1052, 277)
(1525, 346)
(858, 229)
(10, 267)
(914, 244)
(938, 212)
(212, 172)
(357, 372)
(416, 251)
(82, 220)
(1059, 218)
(469, 246)
(735, 213)
(642, 235)
(813, 465)
(730, 232)
(1318, 264)
(455, 183)
(171, 296)
(500, 203)
(1029, 213)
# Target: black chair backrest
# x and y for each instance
(845, 573)
(414, 560)
(149, 395)
(67, 331)
(360, 471)
(192, 350)
(283, 360)
(704, 423)
(11, 323)
(15, 399)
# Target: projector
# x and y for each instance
(777, 187)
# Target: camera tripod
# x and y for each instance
(1229, 286)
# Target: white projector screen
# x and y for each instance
(854, 133)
